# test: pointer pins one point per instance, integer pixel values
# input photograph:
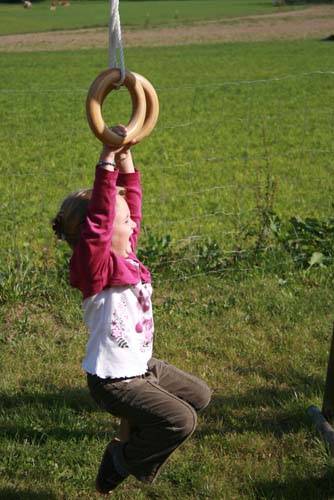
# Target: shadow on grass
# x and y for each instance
(308, 488)
(293, 378)
(276, 406)
(271, 406)
(77, 400)
(15, 494)
(63, 411)
(244, 415)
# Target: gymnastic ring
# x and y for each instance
(99, 89)
(152, 108)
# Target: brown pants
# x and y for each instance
(161, 407)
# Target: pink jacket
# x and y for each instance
(93, 265)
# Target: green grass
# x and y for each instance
(261, 346)
(259, 333)
(137, 14)
(215, 138)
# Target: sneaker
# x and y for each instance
(108, 478)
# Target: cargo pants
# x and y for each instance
(161, 407)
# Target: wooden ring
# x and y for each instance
(100, 88)
(152, 108)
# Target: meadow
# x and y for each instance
(134, 14)
(243, 147)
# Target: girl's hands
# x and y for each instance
(121, 155)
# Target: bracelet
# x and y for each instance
(102, 163)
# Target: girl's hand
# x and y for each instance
(119, 154)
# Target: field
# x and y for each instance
(238, 231)
(83, 14)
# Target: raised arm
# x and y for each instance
(91, 255)
(129, 178)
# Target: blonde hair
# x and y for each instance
(72, 214)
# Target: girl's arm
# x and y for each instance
(91, 255)
(129, 178)
(95, 237)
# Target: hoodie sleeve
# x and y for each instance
(90, 261)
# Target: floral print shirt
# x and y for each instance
(120, 323)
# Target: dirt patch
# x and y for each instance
(315, 22)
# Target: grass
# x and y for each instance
(243, 133)
(258, 332)
(134, 14)
(253, 441)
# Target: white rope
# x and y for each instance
(115, 39)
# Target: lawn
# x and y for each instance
(246, 137)
(220, 135)
(134, 14)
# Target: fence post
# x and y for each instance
(323, 420)
(328, 401)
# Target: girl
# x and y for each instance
(159, 401)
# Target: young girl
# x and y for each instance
(159, 401)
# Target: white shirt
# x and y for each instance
(120, 323)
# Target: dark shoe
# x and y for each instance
(107, 478)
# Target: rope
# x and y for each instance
(115, 40)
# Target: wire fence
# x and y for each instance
(222, 157)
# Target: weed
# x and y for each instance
(309, 241)
(208, 256)
(155, 251)
(18, 277)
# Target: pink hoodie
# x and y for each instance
(93, 265)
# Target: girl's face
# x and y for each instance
(122, 229)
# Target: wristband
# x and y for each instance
(103, 163)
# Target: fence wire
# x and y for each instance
(222, 157)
